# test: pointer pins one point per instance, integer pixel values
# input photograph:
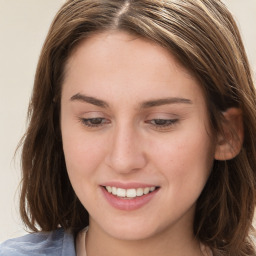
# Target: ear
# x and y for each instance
(230, 140)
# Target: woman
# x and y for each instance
(142, 133)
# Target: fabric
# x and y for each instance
(80, 243)
(56, 243)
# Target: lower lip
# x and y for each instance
(128, 204)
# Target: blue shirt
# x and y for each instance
(56, 243)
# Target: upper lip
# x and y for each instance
(128, 185)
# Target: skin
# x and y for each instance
(128, 145)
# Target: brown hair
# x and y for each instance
(205, 39)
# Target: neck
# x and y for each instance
(168, 242)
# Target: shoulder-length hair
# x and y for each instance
(205, 39)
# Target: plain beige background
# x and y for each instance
(23, 27)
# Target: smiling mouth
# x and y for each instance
(129, 193)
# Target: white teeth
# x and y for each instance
(139, 191)
(146, 190)
(129, 193)
(109, 189)
(114, 192)
(121, 192)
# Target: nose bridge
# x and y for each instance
(126, 150)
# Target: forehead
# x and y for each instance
(120, 45)
(116, 62)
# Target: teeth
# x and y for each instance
(121, 192)
(114, 191)
(139, 192)
(129, 193)
(146, 190)
(109, 189)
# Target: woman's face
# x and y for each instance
(136, 136)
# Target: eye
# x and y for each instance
(94, 122)
(162, 124)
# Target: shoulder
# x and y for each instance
(55, 243)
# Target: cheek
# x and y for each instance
(80, 157)
(185, 159)
(82, 160)
(82, 153)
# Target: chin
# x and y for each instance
(131, 231)
(131, 234)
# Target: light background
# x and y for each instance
(23, 27)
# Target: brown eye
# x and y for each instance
(163, 122)
(94, 122)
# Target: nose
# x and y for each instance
(126, 150)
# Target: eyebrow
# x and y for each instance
(90, 100)
(146, 104)
(165, 101)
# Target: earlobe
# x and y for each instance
(230, 140)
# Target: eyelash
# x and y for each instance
(162, 124)
(159, 124)
(94, 122)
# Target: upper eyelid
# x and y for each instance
(162, 116)
(93, 114)
(158, 115)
